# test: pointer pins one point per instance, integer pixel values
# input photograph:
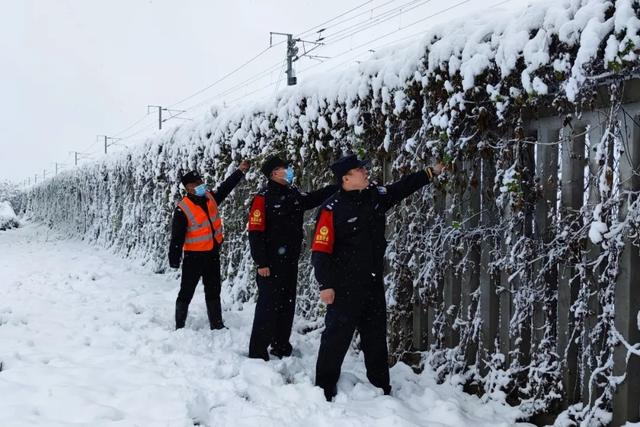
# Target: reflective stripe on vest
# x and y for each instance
(198, 236)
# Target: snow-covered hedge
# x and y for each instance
(461, 95)
(8, 218)
(9, 191)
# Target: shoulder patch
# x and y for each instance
(382, 190)
(331, 204)
(324, 237)
(257, 214)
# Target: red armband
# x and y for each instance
(324, 236)
(257, 214)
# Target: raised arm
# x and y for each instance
(315, 198)
(227, 186)
(404, 187)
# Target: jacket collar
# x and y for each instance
(277, 187)
(356, 195)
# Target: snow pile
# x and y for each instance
(8, 218)
(88, 339)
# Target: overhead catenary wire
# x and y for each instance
(240, 85)
(259, 54)
(323, 24)
(297, 35)
(411, 36)
(146, 116)
(344, 53)
(365, 21)
(365, 25)
(356, 28)
(262, 52)
(365, 44)
(251, 60)
(246, 63)
(279, 77)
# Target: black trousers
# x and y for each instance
(275, 308)
(368, 313)
(196, 265)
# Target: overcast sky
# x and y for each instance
(74, 69)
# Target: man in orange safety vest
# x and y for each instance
(196, 232)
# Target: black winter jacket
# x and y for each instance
(349, 242)
(275, 233)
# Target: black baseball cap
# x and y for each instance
(271, 163)
(190, 177)
(342, 166)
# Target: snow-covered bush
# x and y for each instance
(9, 191)
(8, 218)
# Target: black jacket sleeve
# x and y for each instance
(178, 232)
(227, 186)
(323, 269)
(314, 199)
(258, 245)
(405, 187)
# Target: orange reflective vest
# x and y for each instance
(199, 236)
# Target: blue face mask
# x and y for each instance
(289, 176)
(201, 190)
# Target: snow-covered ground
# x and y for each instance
(87, 338)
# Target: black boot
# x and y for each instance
(181, 316)
(281, 351)
(330, 393)
(215, 317)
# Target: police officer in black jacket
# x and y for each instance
(199, 263)
(275, 236)
(347, 255)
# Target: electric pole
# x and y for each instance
(168, 110)
(293, 50)
(106, 141)
(292, 55)
(78, 156)
(159, 107)
(58, 166)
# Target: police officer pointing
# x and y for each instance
(197, 231)
(275, 237)
(347, 255)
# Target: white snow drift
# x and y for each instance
(87, 338)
